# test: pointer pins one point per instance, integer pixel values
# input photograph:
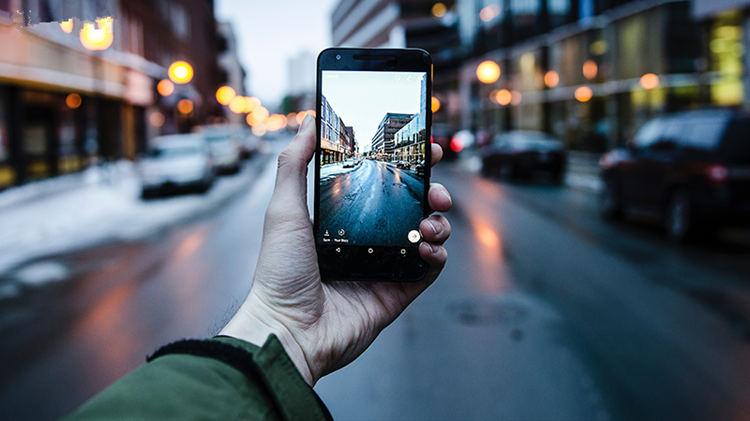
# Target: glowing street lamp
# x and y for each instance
(181, 72)
(225, 95)
(185, 106)
(165, 87)
(504, 97)
(97, 36)
(67, 26)
(584, 94)
(488, 72)
(435, 104)
(439, 9)
(551, 79)
(73, 101)
(650, 81)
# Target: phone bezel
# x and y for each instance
(387, 263)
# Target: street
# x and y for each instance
(543, 312)
(351, 199)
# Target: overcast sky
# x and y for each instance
(269, 32)
(361, 99)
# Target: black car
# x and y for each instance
(691, 169)
(524, 154)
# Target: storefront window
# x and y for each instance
(726, 52)
(7, 175)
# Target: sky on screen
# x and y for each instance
(361, 99)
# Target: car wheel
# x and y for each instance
(678, 222)
(610, 202)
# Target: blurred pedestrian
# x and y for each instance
(291, 330)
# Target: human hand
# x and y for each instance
(323, 326)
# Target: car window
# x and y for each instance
(702, 133)
(649, 133)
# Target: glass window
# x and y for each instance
(649, 133)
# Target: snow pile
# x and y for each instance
(73, 212)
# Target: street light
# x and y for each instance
(551, 79)
(584, 94)
(165, 87)
(185, 106)
(590, 69)
(650, 81)
(439, 9)
(73, 101)
(67, 26)
(97, 36)
(225, 95)
(488, 72)
(181, 72)
(503, 97)
(435, 104)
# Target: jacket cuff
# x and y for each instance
(296, 399)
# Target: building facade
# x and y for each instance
(337, 141)
(410, 140)
(231, 71)
(63, 107)
(383, 143)
(588, 72)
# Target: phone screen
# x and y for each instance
(373, 135)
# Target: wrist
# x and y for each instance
(253, 326)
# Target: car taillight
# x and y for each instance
(456, 145)
(717, 173)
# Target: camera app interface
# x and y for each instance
(372, 168)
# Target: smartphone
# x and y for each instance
(372, 164)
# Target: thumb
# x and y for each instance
(290, 192)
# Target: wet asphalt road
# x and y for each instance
(544, 312)
(349, 201)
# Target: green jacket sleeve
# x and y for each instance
(215, 383)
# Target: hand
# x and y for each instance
(323, 326)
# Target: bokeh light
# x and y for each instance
(225, 95)
(181, 72)
(584, 94)
(165, 87)
(73, 101)
(488, 72)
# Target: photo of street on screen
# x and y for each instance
(373, 136)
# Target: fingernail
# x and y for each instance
(433, 227)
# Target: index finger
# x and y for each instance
(437, 153)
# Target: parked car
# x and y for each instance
(349, 164)
(524, 154)
(690, 169)
(224, 143)
(176, 163)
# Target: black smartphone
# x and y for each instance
(372, 164)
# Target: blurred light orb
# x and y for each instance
(97, 36)
(225, 95)
(165, 87)
(261, 113)
(504, 97)
(157, 119)
(73, 101)
(67, 26)
(259, 130)
(276, 122)
(590, 69)
(584, 94)
(439, 9)
(238, 104)
(490, 12)
(488, 72)
(181, 72)
(650, 81)
(435, 105)
(185, 106)
(551, 79)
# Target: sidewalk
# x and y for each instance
(97, 205)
